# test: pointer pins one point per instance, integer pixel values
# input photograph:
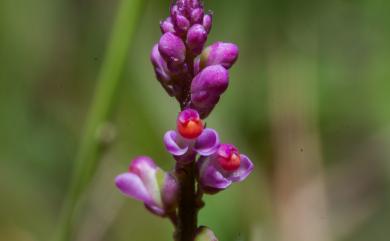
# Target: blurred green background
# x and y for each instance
(308, 102)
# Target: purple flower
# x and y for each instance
(205, 234)
(190, 138)
(219, 170)
(207, 87)
(148, 183)
(221, 53)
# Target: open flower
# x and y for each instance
(219, 170)
(190, 138)
(148, 183)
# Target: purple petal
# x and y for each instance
(155, 209)
(207, 143)
(174, 144)
(146, 169)
(187, 115)
(170, 191)
(210, 176)
(243, 171)
(142, 164)
(160, 65)
(131, 185)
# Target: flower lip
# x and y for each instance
(189, 124)
(228, 157)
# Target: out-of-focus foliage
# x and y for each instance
(313, 77)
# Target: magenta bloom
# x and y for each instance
(148, 183)
(222, 168)
(190, 138)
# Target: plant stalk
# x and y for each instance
(188, 210)
(88, 155)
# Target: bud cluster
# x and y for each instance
(195, 75)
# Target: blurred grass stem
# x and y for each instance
(87, 158)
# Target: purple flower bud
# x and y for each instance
(221, 53)
(208, 22)
(167, 26)
(205, 234)
(161, 70)
(177, 9)
(196, 38)
(194, 3)
(222, 168)
(207, 87)
(197, 15)
(148, 183)
(182, 24)
(172, 48)
(160, 66)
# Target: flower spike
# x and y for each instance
(197, 77)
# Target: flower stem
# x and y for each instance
(102, 104)
(188, 210)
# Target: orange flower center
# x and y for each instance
(190, 129)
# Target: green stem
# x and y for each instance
(108, 79)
